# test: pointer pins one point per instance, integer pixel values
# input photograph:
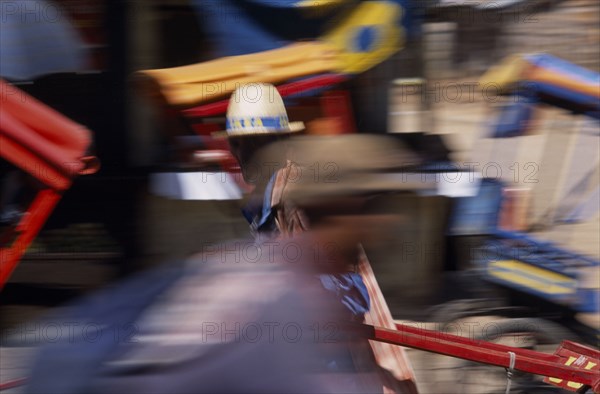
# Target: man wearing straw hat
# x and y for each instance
(254, 122)
(346, 209)
(256, 117)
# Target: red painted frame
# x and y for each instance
(28, 227)
(48, 146)
(549, 365)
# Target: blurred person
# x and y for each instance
(155, 333)
(336, 175)
(272, 216)
(256, 117)
(234, 319)
(220, 323)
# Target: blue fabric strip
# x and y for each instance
(350, 289)
(264, 122)
(567, 69)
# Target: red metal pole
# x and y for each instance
(28, 227)
(436, 335)
(464, 348)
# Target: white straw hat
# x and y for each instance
(257, 109)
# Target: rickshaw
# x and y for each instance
(184, 90)
(572, 367)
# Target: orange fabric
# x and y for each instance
(44, 133)
(199, 83)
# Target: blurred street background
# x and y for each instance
(119, 221)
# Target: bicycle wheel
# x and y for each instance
(453, 375)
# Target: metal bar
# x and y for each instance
(473, 351)
(436, 335)
(29, 226)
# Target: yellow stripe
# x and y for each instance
(504, 75)
(536, 278)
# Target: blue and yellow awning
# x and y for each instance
(549, 79)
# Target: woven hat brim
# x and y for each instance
(293, 127)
